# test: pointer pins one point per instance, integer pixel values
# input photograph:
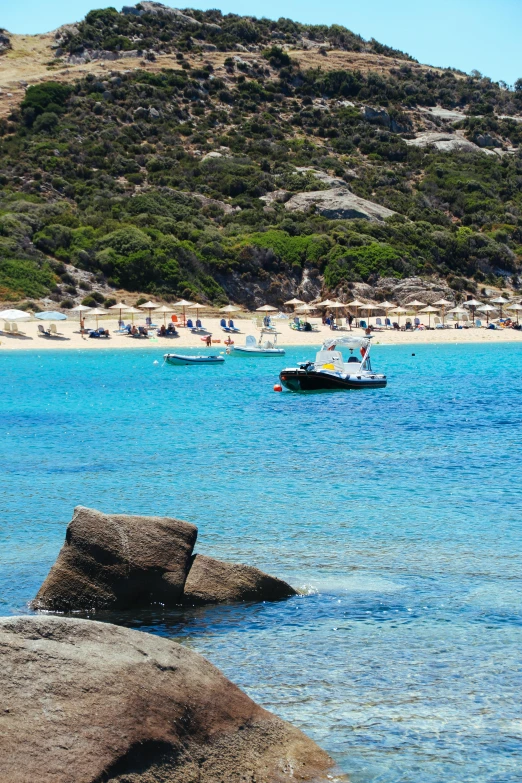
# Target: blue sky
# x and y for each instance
(464, 34)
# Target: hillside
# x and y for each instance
(222, 157)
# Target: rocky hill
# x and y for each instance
(187, 153)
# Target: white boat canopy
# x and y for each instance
(347, 340)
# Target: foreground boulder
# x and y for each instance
(215, 581)
(88, 702)
(115, 561)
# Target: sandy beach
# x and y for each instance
(70, 337)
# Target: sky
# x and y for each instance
(463, 34)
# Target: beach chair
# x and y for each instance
(232, 327)
(190, 325)
(53, 330)
(223, 323)
(387, 322)
(7, 327)
(417, 322)
(174, 319)
(378, 322)
(43, 331)
(14, 329)
(363, 324)
(396, 326)
(478, 323)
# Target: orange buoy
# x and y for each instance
(278, 387)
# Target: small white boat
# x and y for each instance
(263, 347)
(179, 358)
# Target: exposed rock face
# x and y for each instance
(5, 41)
(87, 702)
(338, 204)
(120, 561)
(487, 140)
(115, 560)
(381, 117)
(214, 581)
(445, 142)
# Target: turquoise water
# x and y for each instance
(398, 511)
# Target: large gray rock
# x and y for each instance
(446, 142)
(87, 702)
(215, 581)
(338, 203)
(115, 560)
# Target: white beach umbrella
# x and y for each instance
(294, 301)
(500, 300)
(516, 307)
(265, 309)
(429, 309)
(458, 311)
(415, 304)
(97, 312)
(473, 303)
(15, 315)
(80, 309)
(487, 308)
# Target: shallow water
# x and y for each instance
(397, 511)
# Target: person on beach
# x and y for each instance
(209, 341)
(349, 321)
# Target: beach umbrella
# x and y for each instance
(97, 312)
(182, 303)
(429, 309)
(229, 309)
(132, 311)
(516, 307)
(457, 311)
(265, 309)
(487, 308)
(386, 306)
(294, 302)
(415, 304)
(15, 315)
(501, 301)
(369, 306)
(163, 309)
(356, 304)
(197, 307)
(80, 309)
(50, 315)
(398, 312)
(473, 303)
(305, 308)
(443, 303)
(150, 306)
(120, 306)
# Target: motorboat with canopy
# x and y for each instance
(263, 346)
(331, 371)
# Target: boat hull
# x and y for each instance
(179, 359)
(260, 351)
(301, 380)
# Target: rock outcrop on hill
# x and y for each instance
(214, 581)
(5, 41)
(445, 142)
(120, 561)
(338, 204)
(86, 702)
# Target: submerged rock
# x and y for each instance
(215, 581)
(115, 560)
(88, 702)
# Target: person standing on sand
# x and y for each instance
(350, 321)
(82, 327)
(209, 341)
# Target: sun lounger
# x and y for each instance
(44, 332)
(7, 327)
(362, 324)
(53, 329)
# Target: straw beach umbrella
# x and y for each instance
(386, 306)
(429, 309)
(295, 302)
(473, 303)
(305, 308)
(398, 312)
(415, 304)
(120, 306)
(183, 303)
(97, 312)
(150, 306)
(442, 303)
(132, 311)
(229, 309)
(356, 304)
(197, 307)
(163, 309)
